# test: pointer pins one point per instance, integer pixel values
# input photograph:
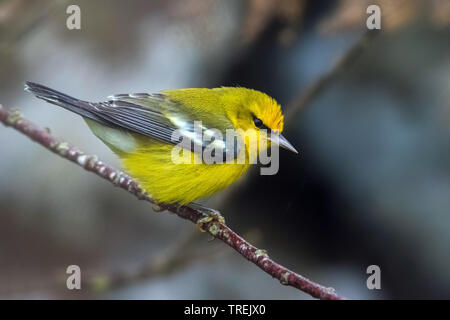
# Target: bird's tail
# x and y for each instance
(63, 100)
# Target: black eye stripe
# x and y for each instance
(259, 124)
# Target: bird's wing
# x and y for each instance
(158, 117)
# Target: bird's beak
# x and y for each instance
(282, 142)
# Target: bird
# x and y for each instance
(143, 129)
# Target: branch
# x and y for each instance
(160, 264)
(220, 231)
(303, 99)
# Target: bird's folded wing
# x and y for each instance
(156, 116)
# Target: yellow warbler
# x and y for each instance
(140, 129)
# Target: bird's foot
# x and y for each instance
(157, 208)
(208, 215)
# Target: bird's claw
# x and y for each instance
(158, 208)
(208, 216)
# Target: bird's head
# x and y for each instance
(256, 111)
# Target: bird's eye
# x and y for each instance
(258, 122)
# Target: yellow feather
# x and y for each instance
(151, 165)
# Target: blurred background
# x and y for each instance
(371, 184)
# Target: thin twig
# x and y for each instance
(161, 264)
(26, 18)
(118, 178)
(303, 99)
(158, 265)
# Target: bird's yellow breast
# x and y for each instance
(152, 166)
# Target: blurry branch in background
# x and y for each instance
(304, 98)
(218, 230)
(350, 15)
(261, 13)
(169, 261)
(19, 17)
(161, 264)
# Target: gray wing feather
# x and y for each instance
(152, 115)
(136, 118)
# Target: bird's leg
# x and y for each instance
(208, 214)
(158, 208)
